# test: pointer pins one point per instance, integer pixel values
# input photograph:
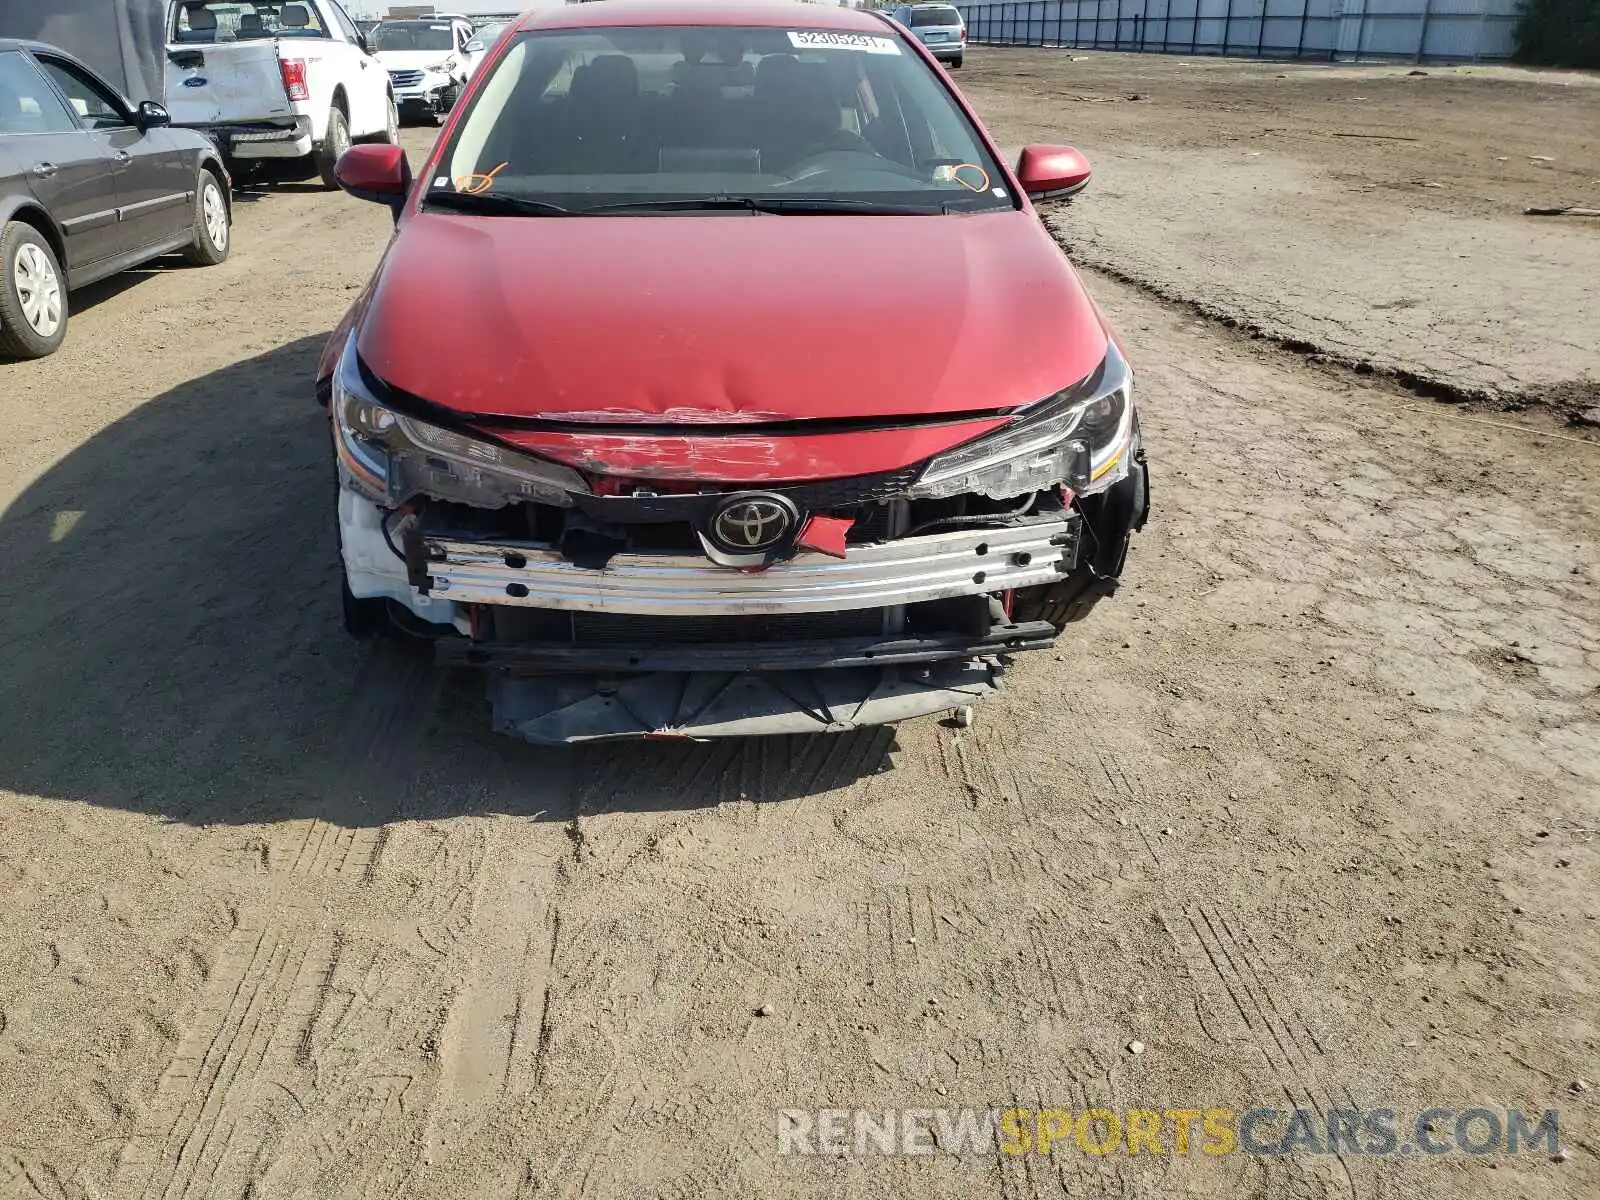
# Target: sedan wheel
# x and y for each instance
(33, 294)
(216, 215)
(211, 223)
(38, 289)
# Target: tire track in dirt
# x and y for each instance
(702, 775)
(496, 1038)
(372, 1053)
(1234, 963)
(256, 1047)
(1232, 991)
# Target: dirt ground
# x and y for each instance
(1374, 213)
(1309, 812)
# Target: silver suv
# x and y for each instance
(939, 28)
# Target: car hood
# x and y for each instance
(701, 322)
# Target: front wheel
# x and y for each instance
(391, 131)
(334, 143)
(33, 294)
(363, 619)
(211, 224)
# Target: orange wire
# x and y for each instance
(955, 173)
(475, 183)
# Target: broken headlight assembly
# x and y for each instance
(389, 457)
(1080, 437)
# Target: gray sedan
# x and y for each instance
(91, 184)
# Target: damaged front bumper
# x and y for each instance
(673, 645)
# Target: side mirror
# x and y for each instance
(378, 173)
(1052, 172)
(151, 115)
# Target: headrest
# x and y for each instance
(611, 76)
(295, 16)
(202, 20)
(783, 79)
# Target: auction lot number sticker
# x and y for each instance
(821, 39)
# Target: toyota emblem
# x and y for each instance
(752, 522)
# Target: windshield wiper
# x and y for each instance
(495, 204)
(782, 205)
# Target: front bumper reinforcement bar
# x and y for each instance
(908, 571)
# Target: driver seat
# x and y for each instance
(798, 111)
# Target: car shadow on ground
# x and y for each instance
(170, 618)
(253, 191)
(92, 294)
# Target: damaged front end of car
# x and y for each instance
(603, 604)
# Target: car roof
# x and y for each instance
(775, 13)
(36, 47)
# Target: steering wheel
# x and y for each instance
(827, 162)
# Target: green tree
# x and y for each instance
(1560, 33)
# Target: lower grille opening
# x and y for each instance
(612, 629)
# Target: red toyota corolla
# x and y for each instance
(721, 379)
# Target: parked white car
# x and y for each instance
(483, 39)
(427, 62)
(271, 81)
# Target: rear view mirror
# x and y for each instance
(378, 173)
(1052, 172)
(151, 115)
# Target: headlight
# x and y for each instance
(389, 457)
(443, 68)
(1079, 437)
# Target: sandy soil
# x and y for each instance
(1310, 812)
(1372, 213)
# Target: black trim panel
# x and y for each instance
(101, 269)
(821, 654)
(90, 221)
(160, 202)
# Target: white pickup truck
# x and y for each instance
(273, 81)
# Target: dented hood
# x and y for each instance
(705, 321)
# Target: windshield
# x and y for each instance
(585, 119)
(411, 35)
(216, 21)
(921, 17)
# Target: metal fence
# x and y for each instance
(1343, 30)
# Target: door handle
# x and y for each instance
(45, 170)
(122, 158)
